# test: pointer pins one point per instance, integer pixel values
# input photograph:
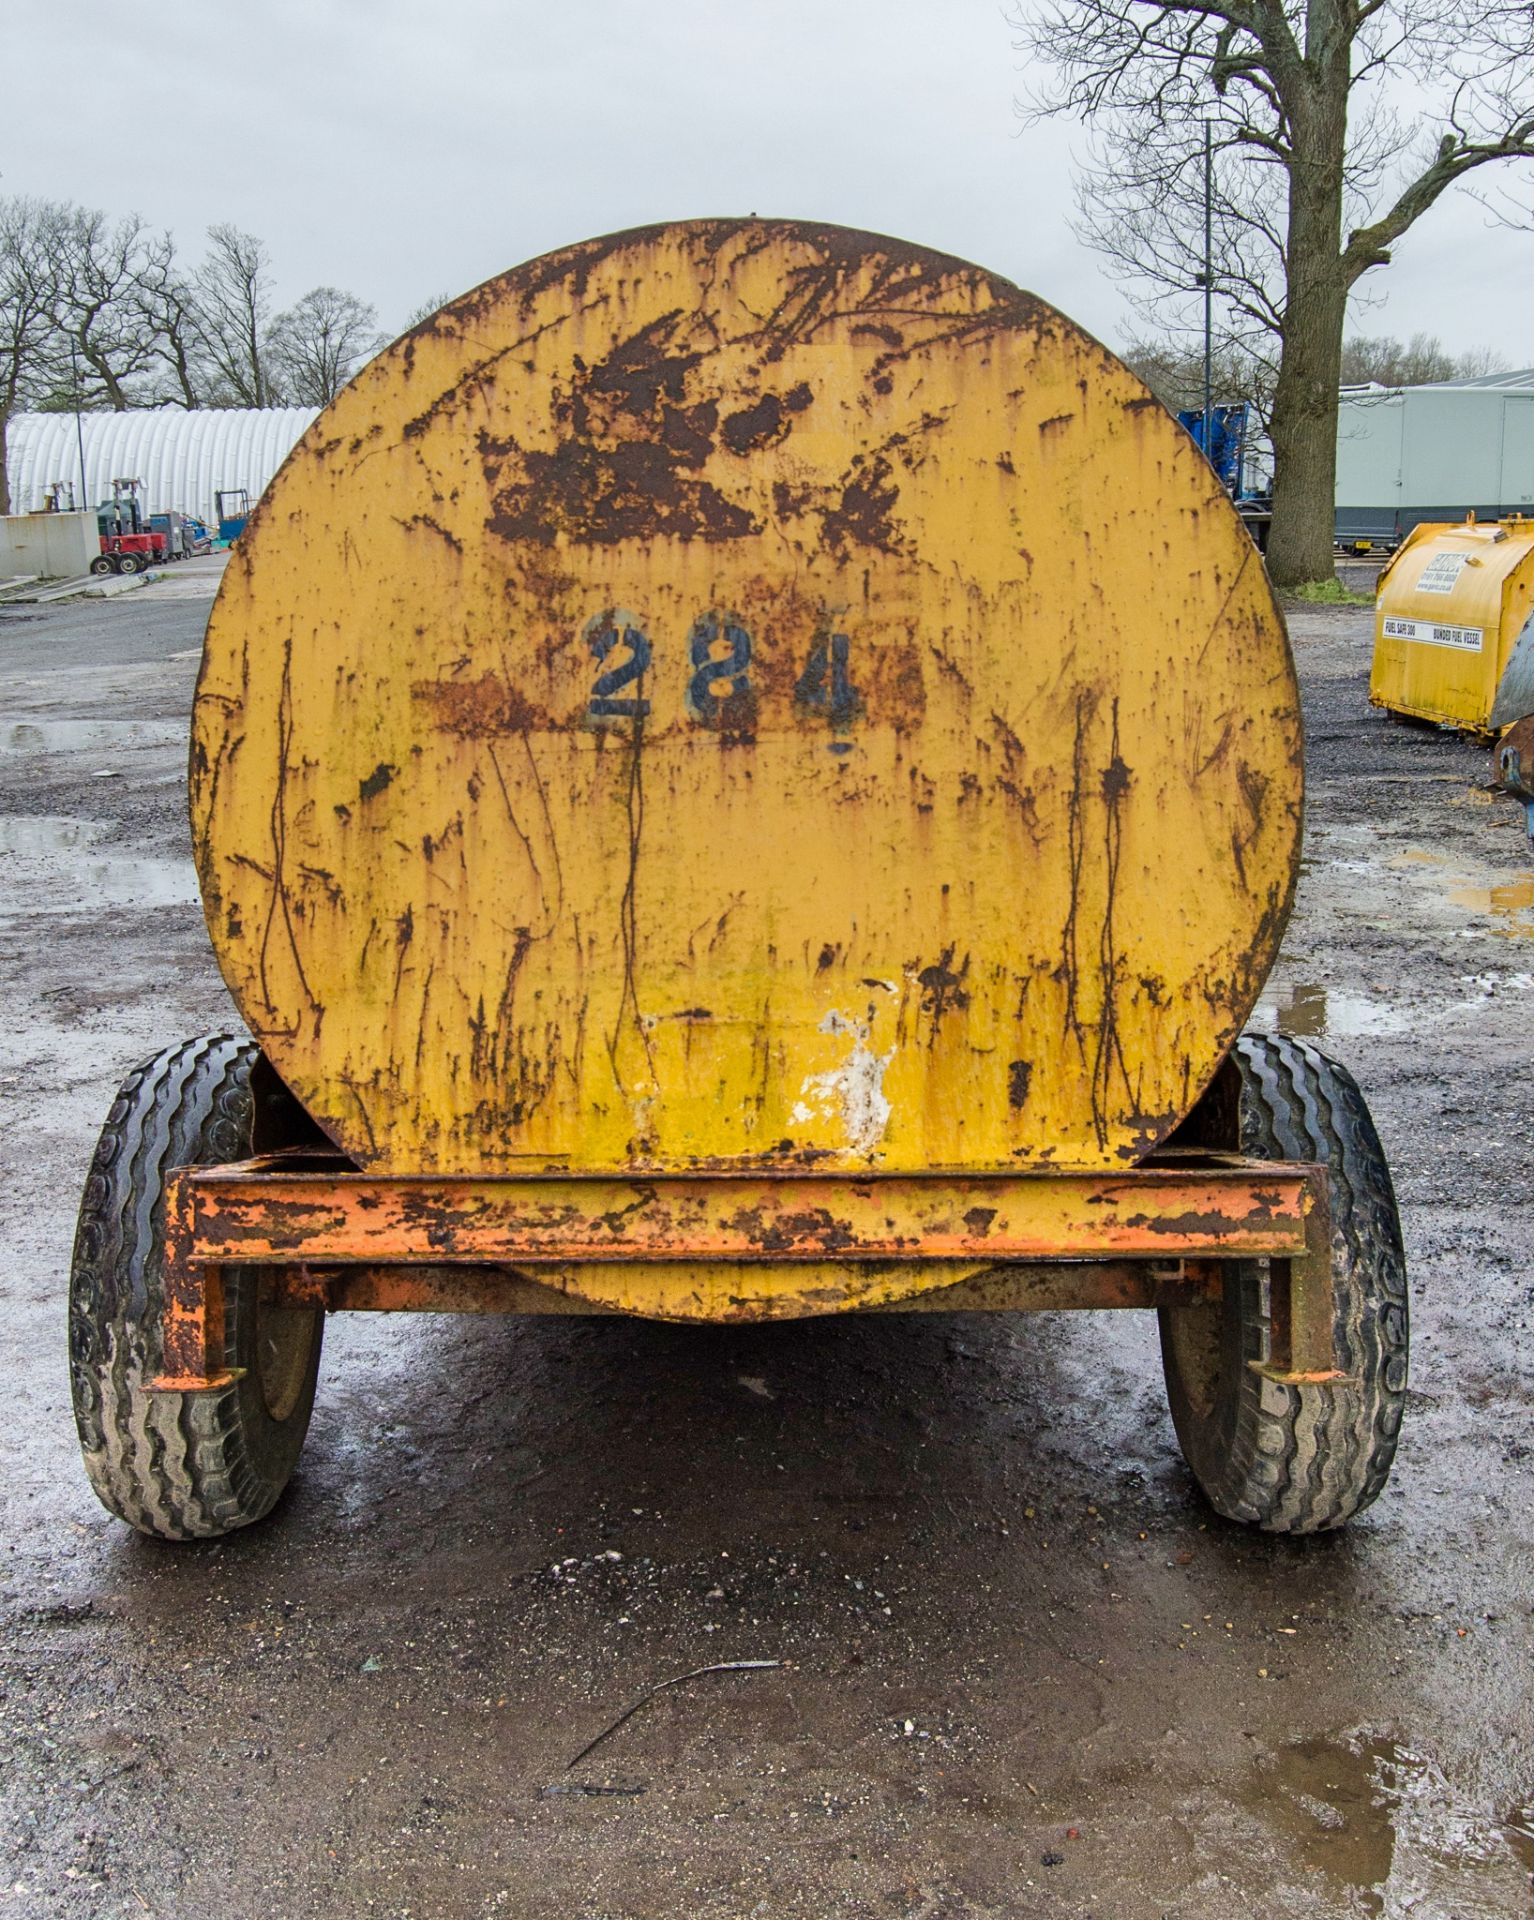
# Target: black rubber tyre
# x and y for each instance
(104, 564)
(1299, 1459)
(182, 1466)
(129, 563)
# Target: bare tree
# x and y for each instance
(28, 294)
(427, 310)
(1419, 362)
(1478, 362)
(102, 354)
(1316, 176)
(232, 294)
(1173, 368)
(319, 344)
(170, 313)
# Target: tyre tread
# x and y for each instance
(1306, 1459)
(174, 1465)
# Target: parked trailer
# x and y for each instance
(1413, 455)
(747, 770)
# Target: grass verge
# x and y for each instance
(1328, 593)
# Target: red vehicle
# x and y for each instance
(128, 543)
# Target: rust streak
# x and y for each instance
(628, 910)
(279, 905)
(1110, 1049)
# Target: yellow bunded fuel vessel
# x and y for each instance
(1453, 605)
(743, 770)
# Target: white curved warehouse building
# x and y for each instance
(182, 458)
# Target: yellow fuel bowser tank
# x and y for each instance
(742, 770)
(1452, 636)
(724, 696)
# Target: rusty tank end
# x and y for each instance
(744, 694)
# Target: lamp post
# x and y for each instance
(74, 374)
(1208, 278)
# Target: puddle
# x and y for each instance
(1510, 906)
(1384, 1824)
(1323, 1798)
(56, 867)
(46, 833)
(126, 881)
(86, 886)
(1312, 1012)
(1507, 904)
(88, 736)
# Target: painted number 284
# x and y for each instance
(718, 687)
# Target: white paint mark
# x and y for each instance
(852, 1092)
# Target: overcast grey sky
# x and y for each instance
(402, 148)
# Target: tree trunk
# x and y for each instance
(1304, 429)
(5, 481)
(111, 386)
(257, 384)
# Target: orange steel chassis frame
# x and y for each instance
(1157, 1235)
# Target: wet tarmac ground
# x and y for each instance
(1020, 1669)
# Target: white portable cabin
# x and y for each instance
(1409, 454)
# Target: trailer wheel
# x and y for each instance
(105, 564)
(1299, 1459)
(179, 1465)
(128, 563)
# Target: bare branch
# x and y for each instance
(1369, 246)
